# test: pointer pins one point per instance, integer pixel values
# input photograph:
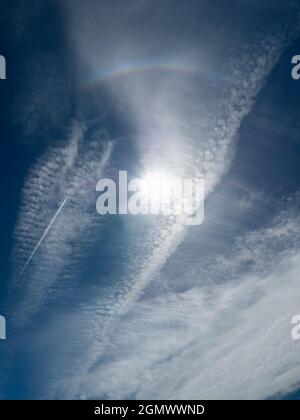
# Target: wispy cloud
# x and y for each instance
(66, 175)
(199, 138)
(185, 126)
(225, 340)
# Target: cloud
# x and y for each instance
(64, 173)
(188, 124)
(213, 341)
(179, 127)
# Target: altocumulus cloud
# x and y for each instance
(229, 340)
(199, 138)
(202, 343)
(65, 174)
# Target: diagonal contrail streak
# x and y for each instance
(42, 238)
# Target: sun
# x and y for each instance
(158, 188)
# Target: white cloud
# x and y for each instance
(171, 347)
(180, 128)
(228, 340)
(64, 173)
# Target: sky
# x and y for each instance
(145, 307)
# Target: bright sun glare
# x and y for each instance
(157, 188)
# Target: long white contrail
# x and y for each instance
(42, 238)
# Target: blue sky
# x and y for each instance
(143, 306)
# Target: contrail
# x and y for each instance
(42, 238)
